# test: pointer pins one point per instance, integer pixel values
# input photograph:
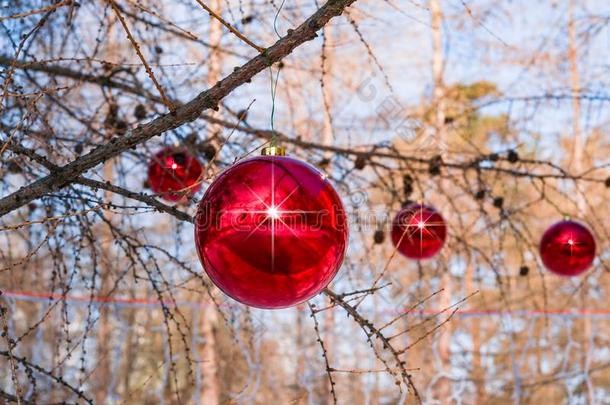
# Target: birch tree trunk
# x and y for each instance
(478, 374)
(327, 139)
(436, 14)
(103, 369)
(210, 391)
(104, 335)
(578, 156)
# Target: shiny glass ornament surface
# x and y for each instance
(271, 232)
(173, 174)
(418, 231)
(567, 248)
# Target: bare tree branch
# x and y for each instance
(183, 114)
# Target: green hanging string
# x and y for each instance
(273, 91)
(277, 77)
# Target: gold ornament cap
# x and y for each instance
(273, 151)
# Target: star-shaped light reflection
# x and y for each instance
(572, 243)
(273, 212)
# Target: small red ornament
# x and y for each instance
(271, 231)
(173, 174)
(419, 231)
(567, 248)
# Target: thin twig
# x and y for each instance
(38, 10)
(329, 370)
(230, 27)
(136, 47)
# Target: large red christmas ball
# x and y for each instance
(418, 231)
(174, 174)
(567, 248)
(271, 232)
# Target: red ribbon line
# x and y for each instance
(38, 296)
